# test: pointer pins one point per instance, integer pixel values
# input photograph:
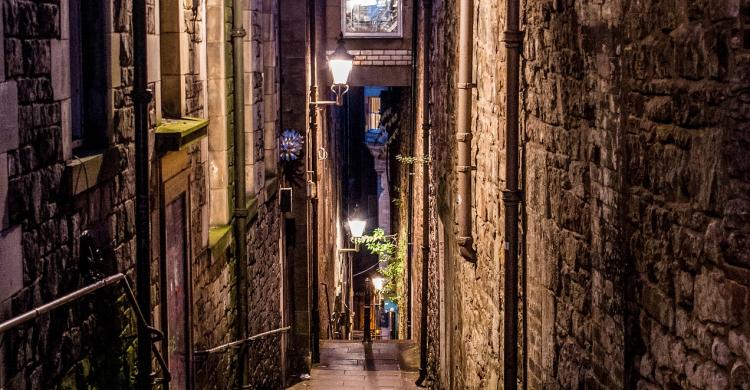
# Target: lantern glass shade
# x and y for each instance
(340, 70)
(340, 63)
(357, 227)
(378, 282)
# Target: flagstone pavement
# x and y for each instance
(354, 365)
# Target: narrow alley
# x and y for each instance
(374, 194)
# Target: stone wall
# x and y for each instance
(50, 194)
(635, 180)
(293, 95)
(471, 336)
(264, 298)
(46, 209)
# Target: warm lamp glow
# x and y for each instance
(340, 64)
(357, 227)
(340, 70)
(378, 282)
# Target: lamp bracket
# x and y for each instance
(339, 90)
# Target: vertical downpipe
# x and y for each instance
(141, 97)
(511, 195)
(464, 135)
(426, 126)
(240, 199)
(312, 201)
(412, 141)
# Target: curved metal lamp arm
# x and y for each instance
(339, 90)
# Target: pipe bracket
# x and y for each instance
(512, 38)
(241, 213)
(147, 95)
(238, 33)
(466, 85)
(512, 197)
(464, 168)
(464, 137)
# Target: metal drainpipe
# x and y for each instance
(410, 204)
(511, 196)
(464, 135)
(141, 97)
(312, 201)
(426, 125)
(240, 198)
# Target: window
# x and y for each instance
(88, 73)
(373, 112)
(371, 18)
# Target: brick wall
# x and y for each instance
(633, 117)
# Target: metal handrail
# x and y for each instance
(226, 346)
(80, 293)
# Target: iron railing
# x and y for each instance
(156, 335)
(234, 344)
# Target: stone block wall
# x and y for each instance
(44, 214)
(635, 179)
(685, 89)
(45, 208)
(467, 348)
(293, 97)
(265, 284)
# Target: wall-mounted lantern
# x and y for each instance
(340, 63)
(357, 229)
(378, 282)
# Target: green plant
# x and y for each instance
(412, 159)
(391, 250)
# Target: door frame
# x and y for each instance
(174, 182)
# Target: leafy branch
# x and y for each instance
(412, 159)
(391, 250)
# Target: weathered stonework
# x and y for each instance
(45, 211)
(635, 181)
(266, 367)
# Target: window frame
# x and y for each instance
(89, 54)
(399, 33)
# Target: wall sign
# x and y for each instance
(371, 18)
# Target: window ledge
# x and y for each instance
(174, 134)
(271, 186)
(219, 238)
(84, 173)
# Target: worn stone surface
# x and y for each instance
(46, 223)
(633, 120)
(56, 349)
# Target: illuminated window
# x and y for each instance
(371, 18)
(373, 112)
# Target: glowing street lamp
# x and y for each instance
(378, 282)
(357, 227)
(340, 63)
